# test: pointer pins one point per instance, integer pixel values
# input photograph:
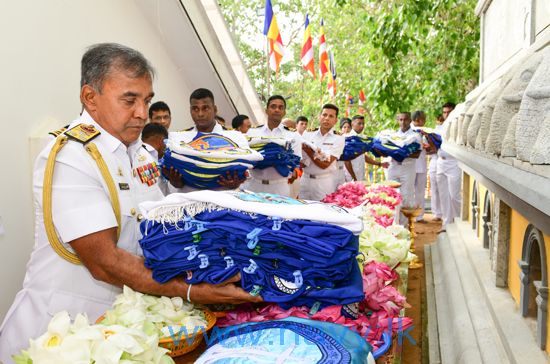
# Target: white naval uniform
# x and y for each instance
(420, 183)
(316, 182)
(189, 134)
(81, 206)
(449, 179)
(435, 201)
(268, 180)
(358, 164)
(405, 173)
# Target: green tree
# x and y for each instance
(405, 54)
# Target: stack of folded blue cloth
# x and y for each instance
(207, 157)
(355, 146)
(390, 145)
(277, 153)
(291, 262)
(431, 136)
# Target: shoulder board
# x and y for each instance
(58, 132)
(337, 132)
(188, 129)
(289, 129)
(257, 126)
(313, 129)
(82, 133)
(224, 128)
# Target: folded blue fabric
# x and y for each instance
(282, 159)
(355, 146)
(295, 262)
(390, 149)
(197, 177)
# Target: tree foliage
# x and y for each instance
(404, 54)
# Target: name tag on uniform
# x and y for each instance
(124, 186)
(328, 143)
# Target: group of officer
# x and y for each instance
(89, 180)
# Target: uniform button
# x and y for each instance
(133, 211)
(139, 217)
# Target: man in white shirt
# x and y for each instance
(355, 169)
(320, 164)
(268, 180)
(159, 113)
(203, 112)
(449, 178)
(301, 124)
(87, 232)
(418, 120)
(405, 172)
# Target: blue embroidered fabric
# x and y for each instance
(195, 176)
(382, 149)
(282, 159)
(355, 146)
(292, 339)
(291, 262)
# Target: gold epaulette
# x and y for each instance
(289, 129)
(256, 126)
(82, 133)
(58, 132)
(188, 129)
(337, 132)
(313, 129)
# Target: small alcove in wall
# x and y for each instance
(487, 219)
(534, 282)
(475, 207)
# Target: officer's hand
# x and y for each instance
(230, 181)
(293, 177)
(226, 292)
(173, 176)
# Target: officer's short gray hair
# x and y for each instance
(103, 58)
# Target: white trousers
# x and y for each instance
(278, 187)
(405, 174)
(295, 188)
(420, 192)
(316, 189)
(448, 185)
(435, 202)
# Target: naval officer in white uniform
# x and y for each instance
(321, 164)
(87, 235)
(268, 180)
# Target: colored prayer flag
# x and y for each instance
(323, 55)
(275, 43)
(307, 50)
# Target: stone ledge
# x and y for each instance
(489, 313)
(512, 178)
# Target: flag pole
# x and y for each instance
(267, 73)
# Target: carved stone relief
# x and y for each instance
(507, 106)
(531, 115)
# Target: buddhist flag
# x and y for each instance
(323, 56)
(275, 43)
(362, 97)
(307, 50)
(332, 76)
